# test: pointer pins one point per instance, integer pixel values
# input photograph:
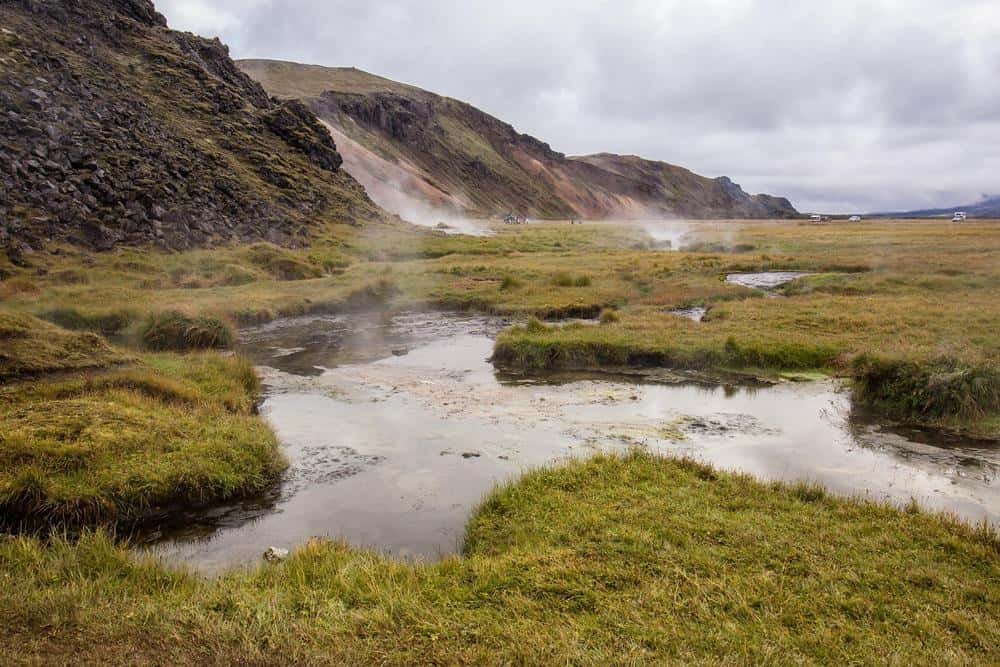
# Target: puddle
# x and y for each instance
(695, 313)
(766, 280)
(397, 426)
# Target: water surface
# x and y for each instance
(396, 427)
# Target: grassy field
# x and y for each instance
(633, 560)
(629, 559)
(921, 295)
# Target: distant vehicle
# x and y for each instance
(815, 218)
(959, 216)
(854, 218)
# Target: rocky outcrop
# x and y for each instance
(406, 141)
(115, 129)
(294, 123)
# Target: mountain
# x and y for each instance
(987, 207)
(420, 153)
(116, 129)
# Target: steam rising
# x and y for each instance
(400, 188)
(392, 197)
(672, 232)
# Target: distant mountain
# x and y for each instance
(417, 152)
(987, 207)
(116, 129)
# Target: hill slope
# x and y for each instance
(987, 207)
(412, 148)
(116, 129)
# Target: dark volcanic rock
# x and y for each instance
(294, 123)
(115, 129)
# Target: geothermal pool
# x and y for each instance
(397, 425)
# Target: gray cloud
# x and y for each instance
(847, 106)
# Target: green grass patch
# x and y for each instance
(118, 446)
(30, 346)
(103, 322)
(615, 560)
(174, 330)
(941, 389)
(281, 263)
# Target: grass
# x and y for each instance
(119, 446)
(944, 389)
(898, 291)
(633, 559)
(106, 322)
(174, 330)
(29, 346)
(630, 559)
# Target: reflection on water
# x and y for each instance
(396, 426)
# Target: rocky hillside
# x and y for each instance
(116, 129)
(407, 145)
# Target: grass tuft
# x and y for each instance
(942, 388)
(174, 330)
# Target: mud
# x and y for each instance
(394, 452)
(767, 280)
(694, 313)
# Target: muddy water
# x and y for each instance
(396, 428)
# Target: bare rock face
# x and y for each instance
(115, 129)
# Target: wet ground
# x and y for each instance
(694, 313)
(397, 426)
(766, 280)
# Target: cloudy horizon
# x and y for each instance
(842, 107)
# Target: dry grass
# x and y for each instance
(29, 346)
(922, 292)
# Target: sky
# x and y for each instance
(844, 107)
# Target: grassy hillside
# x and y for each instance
(399, 138)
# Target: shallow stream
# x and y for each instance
(396, 427)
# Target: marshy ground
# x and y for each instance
(623, 556)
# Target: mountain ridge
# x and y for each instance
(987, 207)
(408, 145)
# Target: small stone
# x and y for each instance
(471, 455)
(275, 554)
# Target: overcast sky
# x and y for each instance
(841, 106)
